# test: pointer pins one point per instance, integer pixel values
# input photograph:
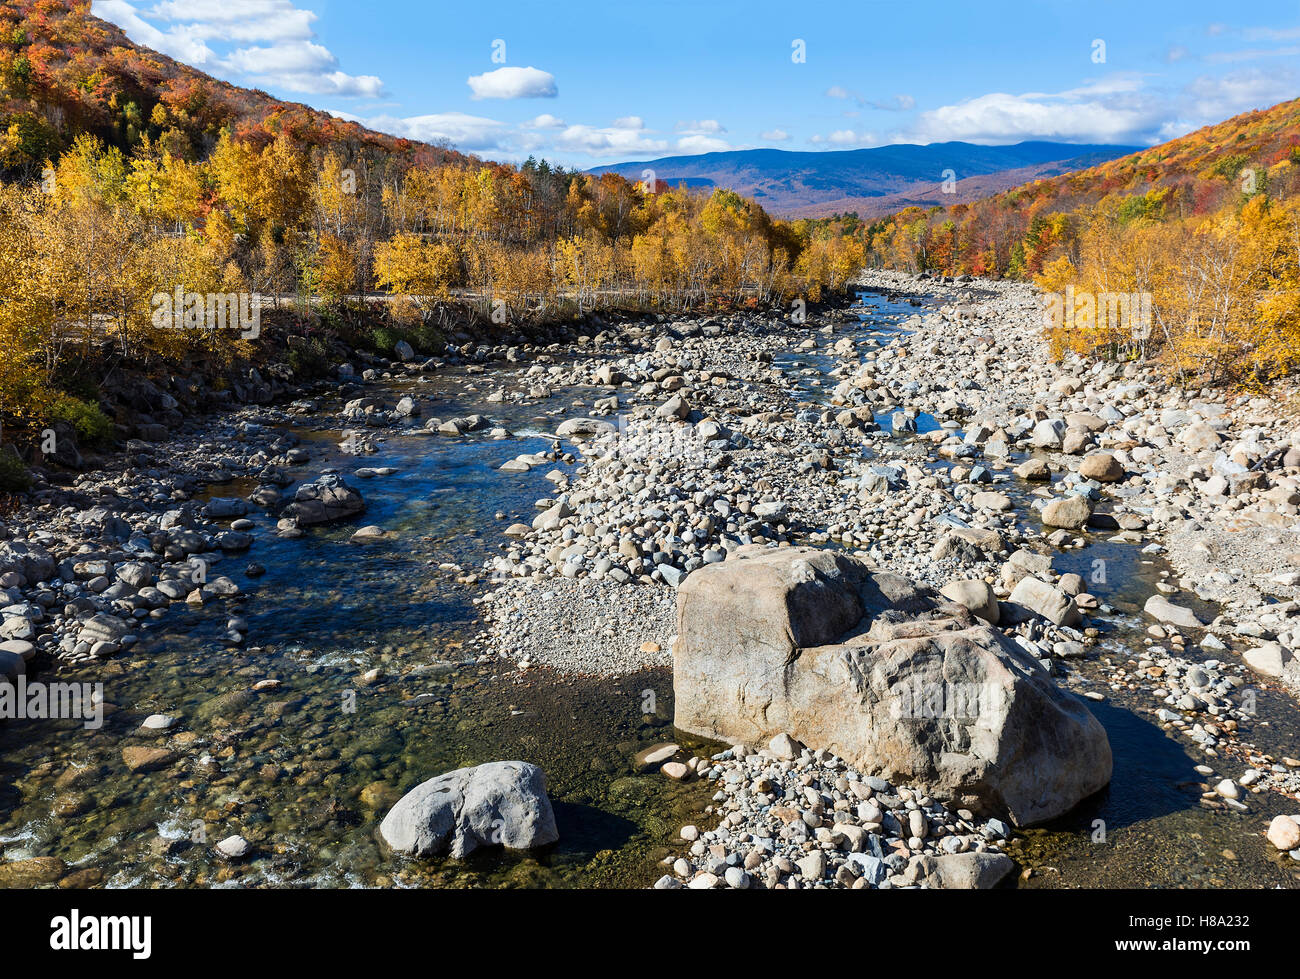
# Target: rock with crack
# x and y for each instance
(502, 803)
(886, 674)
(324, 501)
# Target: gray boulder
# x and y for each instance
(886, 674)
(502, 803)
(326, 500)
(1043, 599)
(959, 871)
(29, 560)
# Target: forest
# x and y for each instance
(127, 176)
(1207, 225)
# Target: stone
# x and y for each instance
(139, 758)
(324, 501)
(784, 747)
(500, 803)
(1160, 608)
(975, 595)
(31, 872)
(234, 847)
(1046, 600)
(1284, 832)
(813, 866)
(959, 871)
(1071, 512)
(1036, 470)
(1270, 658)
(1101, 466)
(647, 759)
(585, 427)
(826, 648)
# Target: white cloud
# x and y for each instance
(280, 49)
(700, 143)
(1217, 98)
(626, 135)
(1111, 110)
(466, 132)
(774, 136)
(701, 127)
(545, 121)
(846, 137)
(514, 83)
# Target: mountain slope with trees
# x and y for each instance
(1207, 226)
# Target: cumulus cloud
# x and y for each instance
(268, 43)
(700, 143)
(626, 135)
(703, 127)
(545, 121)
(514, 83)
(774, 136)
(1111, 110)
(1216, 98)
(470, 133)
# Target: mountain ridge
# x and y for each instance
(875, 180)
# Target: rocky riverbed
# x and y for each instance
(946, 446)
(299, 612)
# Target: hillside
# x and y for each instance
(1204, 229)
(1016, 232)
(871, 182)
(65, 72)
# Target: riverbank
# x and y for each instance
(735, 430)
(943, 444)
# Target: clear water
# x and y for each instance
(306, 771)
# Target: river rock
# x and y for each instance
(1046, 600)
(1101, 466)
(501, 803)
(326, 500)
(975, 595)
(959, 871)
(1159, 607)
(29, 560)
(1071, 512)
(836, 653)
(584, 427)
(1284, 832)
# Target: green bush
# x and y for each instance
(310, 359)
(14, 477)
(92, 426)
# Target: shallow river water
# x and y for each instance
(306, 771)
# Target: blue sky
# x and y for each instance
(590, 84)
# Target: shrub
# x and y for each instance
(87, 419)
(14, 477)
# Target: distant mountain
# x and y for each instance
(875, 181)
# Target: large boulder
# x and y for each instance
(502, 803)
(884, 673)
(971, 871)
(326, 500)
(1070, 512)
(31, 561)
(1046, 600)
